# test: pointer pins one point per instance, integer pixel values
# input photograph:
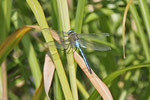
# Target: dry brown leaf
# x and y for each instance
(48, 73)
(95, 80)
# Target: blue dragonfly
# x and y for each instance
(77, 41)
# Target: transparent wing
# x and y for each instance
(93, 35)
(93, 45)
(63, 45)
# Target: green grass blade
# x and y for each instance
(72, 75)
(5, 9)
(39, 14)
(94, 95)
(64, 16)
(0, 81)
(32, 59)
(29, 51)
(40, 92)
(114, 75)
(145, 14)
(2, 29)
(82, 90)
(58, 94)
(4, 81)
(79, 15)
(5, 12)
(53, 11)
(13, 96)
(140, 31)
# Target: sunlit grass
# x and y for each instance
(23, 57)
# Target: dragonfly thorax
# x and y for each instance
(72, 35)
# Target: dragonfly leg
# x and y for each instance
(68, 49)
(75, 49)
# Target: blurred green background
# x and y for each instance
(100, 16)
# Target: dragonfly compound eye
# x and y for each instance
(70, 31)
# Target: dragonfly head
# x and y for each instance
(70, 31)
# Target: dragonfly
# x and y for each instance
(78, 41)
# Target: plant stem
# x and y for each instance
(64, 16)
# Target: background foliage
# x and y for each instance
(25, 63)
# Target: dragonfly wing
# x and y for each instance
(94, 45)
(54, 44)
(94, 35)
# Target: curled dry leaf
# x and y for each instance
(48, 73)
